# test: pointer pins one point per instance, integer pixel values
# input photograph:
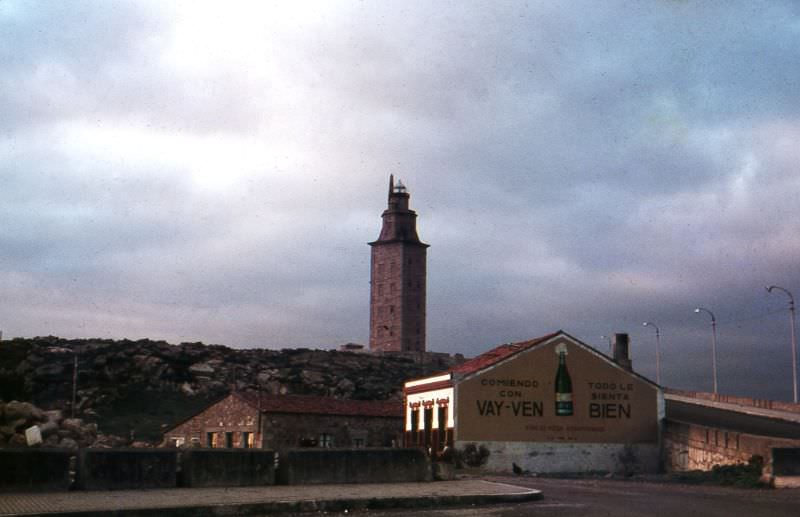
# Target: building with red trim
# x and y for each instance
(550, 404)
(279, 422)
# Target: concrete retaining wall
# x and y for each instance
(116, 469)
(310, 466)
(27, 470)
(227, 467)
(539, 457)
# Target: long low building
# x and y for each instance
(550, 404)
(279, 422)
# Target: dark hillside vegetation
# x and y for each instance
(140, 386)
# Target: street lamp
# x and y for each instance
(794, 336)
(713, 343)
(658, 350)
(609, 342)
(61, 349)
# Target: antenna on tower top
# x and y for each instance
(391, 184)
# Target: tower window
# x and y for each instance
(391, 309)
(380, 289)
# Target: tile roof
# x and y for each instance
(497, 354)
(322, 405)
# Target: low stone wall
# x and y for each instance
(310, 466)
(697, 447)
(116, 469)
(538, 457)
(221, 467)
(27, 470)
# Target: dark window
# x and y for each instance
(358, 443)
(229, 440)
(247, 440)
(442, 426)
(211, 440)
(325, 440)
(428, 423)
(414, 420)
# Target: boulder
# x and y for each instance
(201, 369)
(186, 389)
(48, 428)
(16, 410)
(54, 415)
(68, 443)
(49, 370)
(72, 425)
(17, 440)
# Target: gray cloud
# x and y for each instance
(192, 173)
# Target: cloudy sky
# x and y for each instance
(213, 171)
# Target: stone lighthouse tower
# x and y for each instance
(397, 279)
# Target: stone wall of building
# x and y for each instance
(696, 447)
(397, 302)
(230, 415)
(225, 423)
(288, 430)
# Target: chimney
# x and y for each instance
(621, 351)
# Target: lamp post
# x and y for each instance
(713, 343)
(60, 349)
(658, 350)
(794, 336)
(608, 338)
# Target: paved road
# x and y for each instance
(735, 421)
(600, 498)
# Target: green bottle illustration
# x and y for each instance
(563, 384)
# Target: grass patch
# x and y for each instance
(741, 475)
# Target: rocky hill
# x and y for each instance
(134, 388)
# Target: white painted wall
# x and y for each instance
(573, 457)
(432, 396)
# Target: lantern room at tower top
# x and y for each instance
(398, 277)
(550, 404)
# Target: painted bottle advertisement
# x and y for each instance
(563, 384)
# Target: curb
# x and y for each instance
(311, 505)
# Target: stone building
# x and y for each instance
(550, 404)
(279, 422)
(397, 279)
